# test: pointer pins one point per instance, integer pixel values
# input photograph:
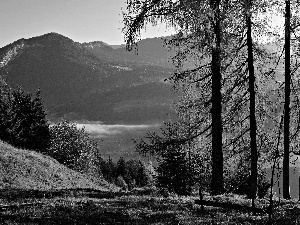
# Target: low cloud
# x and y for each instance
(99, 130)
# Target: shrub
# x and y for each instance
(71, 146)
(120, 182)
(238, 179)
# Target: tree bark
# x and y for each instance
(287, 91)
(253, 146)
(217, 183)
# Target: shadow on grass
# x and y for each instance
(64, 215)
(15, 194)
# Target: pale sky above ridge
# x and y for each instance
(80, 20)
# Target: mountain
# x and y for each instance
(92, 81)
(149, 51)
(117, 95)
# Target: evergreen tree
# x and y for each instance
(5, 96)
(110, 171)
(24, 121)
(173, 172)
(121, 167)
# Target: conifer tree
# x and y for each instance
(24, 121)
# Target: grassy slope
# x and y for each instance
(30, 170)
(26, 169)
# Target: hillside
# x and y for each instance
(24, 169)
(91, 81)
(118, 94)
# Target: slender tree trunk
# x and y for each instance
(253, 146)
(287, 91)
(217, 183)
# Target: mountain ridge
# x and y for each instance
(95, 82)
(73, 73)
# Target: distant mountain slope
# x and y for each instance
(91, 81)
(30, 170)
(149, 51)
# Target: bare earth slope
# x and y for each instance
(26, 169)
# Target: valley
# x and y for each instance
(97, 85)
(118, 96)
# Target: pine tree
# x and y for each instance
(121, 167)
(24, 121)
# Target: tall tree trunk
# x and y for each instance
(217, 183)
(253, 146)
(287, 91)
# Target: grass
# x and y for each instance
(36, 189)
(129, 208)
(25, 169)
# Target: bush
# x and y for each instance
(238, 179)
(120, 182)
(71, 146)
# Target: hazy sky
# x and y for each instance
(80, 20)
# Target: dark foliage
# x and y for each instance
(133, 172)
(23, 120)
(238, 180)
(173, 173)
(175, 170)
(108, 169)
(121, 169)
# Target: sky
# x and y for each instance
(80, 20)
